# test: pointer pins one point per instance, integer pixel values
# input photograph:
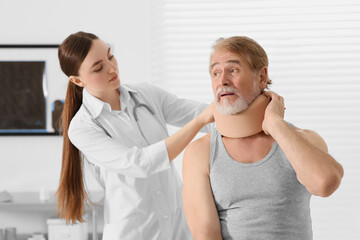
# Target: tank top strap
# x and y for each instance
(213, 144)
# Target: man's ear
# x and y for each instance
(263, 75)
(76, 80)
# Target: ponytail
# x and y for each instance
(71, 192)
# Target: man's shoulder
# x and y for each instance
(200, 145)
(313, 137)
(197, 154)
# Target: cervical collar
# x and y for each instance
(244, 124)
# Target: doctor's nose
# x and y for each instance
(112, 68)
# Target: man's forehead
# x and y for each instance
(226, 57)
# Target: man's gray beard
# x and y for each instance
(240, 105)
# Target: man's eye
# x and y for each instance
(111, 57)
(234, 71)
(216, 74)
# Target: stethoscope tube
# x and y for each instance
(96, 121)
(136, 106)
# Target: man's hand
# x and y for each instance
(274, 111)
(305, 149)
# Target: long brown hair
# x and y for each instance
(71, 192)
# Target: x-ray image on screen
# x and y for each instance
(23, 100)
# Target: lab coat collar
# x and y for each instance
(95, 105)
(125, 89)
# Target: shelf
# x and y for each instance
(30, 202)
(29, 134)
(26, 236)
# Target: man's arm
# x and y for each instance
(199, 206)
(307, 152)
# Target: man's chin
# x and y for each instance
(229, 109)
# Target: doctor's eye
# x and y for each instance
(111, 57)
(234, 70)
(98, 69)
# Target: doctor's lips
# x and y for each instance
(114, 78)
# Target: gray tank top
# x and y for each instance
(261, 200)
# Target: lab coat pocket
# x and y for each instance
(126, 229)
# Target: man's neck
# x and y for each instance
(245, 124)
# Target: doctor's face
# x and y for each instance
(235, 84)
(98, 72)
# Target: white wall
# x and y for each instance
(29, 162)
(314, 58)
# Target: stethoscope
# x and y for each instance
(134, 112)
(136, 108)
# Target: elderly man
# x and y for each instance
(254, 182)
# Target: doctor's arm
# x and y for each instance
(199, 205)
(177, 142)
(307, 152)
(109, 153)
(178, 111)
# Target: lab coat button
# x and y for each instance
(158, 192)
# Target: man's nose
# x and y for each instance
(224, 79)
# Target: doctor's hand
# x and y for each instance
(206, 116)
(177, 142)
(274, 112)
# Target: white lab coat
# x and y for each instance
(142, 190)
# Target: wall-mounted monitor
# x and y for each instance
(32, 88)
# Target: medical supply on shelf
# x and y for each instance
(10, 233)
(37, 236)
(5, 196)
(44, 194)
(59, 230)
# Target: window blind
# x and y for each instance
(314, 55)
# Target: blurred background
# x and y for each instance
(314, 54)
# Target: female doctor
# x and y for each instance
(119, 133)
